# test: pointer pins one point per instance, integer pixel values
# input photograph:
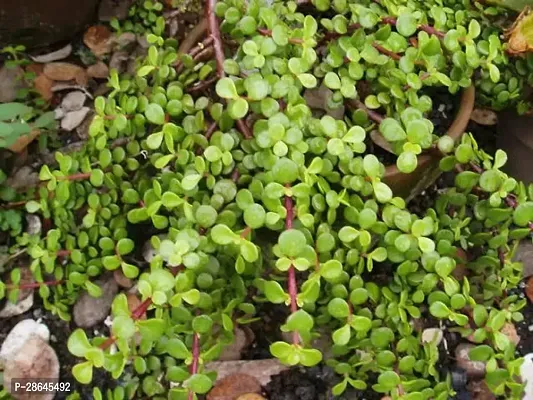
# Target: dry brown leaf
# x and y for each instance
(484, 116)
(23, 141)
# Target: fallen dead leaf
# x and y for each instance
(509, 330)
(63, 71)
(234, 386)
(529, 289)
(60, 54)
(23, 141)
(484, 116)
(98, 70)
(518, 36)
(251, 396)
(99, 40)
(43, 85)
(35, 68)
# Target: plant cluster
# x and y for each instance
(248, 196)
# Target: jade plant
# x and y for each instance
(247, 196)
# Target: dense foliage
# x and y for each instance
(248, 196)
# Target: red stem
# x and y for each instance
(195, 359)
(293, 290)
(214, 31)
(244, 129)
(426, 28)
(389, 53)
(75, 177)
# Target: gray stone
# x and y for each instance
(88, 310)
(233, 351)
(262, 370)
(126, 41)
(35, 360)
(524, 254)
(318, 99)
(19, 335)
(526, 372)
(74, 119)
(110, 9)
(10, 82)
(34, 225)
(73, 101)
(474, 369)
(118, 61)
(20, 307)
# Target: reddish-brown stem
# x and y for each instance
(14, 204)
(141, 309)
(214, 32)
(75, 177)
(293, 289)
(198, 49)
(244, 129)
(424, 76)
(34, 285)
(195, 359)
(212, 128)
(246, 232)
(204, 54)
(235, 175)
(268, 32)
(202, 85)
(373, 115)
(389, 53)
(426, 28)
(63, 253)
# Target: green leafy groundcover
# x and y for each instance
(225, 155)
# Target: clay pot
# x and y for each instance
(36, 23)
(427, 171)
(515, 137)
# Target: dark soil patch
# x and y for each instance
(525, 328)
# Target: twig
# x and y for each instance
(214, 32)
(293, 290)
(34, 285)
(195, 359)
(373, 115)
(202, 85)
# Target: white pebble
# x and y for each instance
(526, 372)
(19, 335)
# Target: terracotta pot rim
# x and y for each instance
(455, 131)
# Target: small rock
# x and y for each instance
(524, 254)
(10, 82)
(20, 334)
(35, 360)
(24, 177)
(73, 101)
(83, 129)
(432, 335)
(73, 119)
(234, 350)
(484, 116)
(118, 61)
(234, 386)
(148, 251)
(110, 9)
(143, 42)
(98, 70)
(59, 113)
(43, 85)
(60, 54)
(251, 396)
(33, 224)
(509, 330)
(121, 279)
(62, 71)
(88, 310)
(20, 307)
(480, 391)
(526, 373)
(126, 41)
(474, 369)
(99, 40)
(262, 370)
